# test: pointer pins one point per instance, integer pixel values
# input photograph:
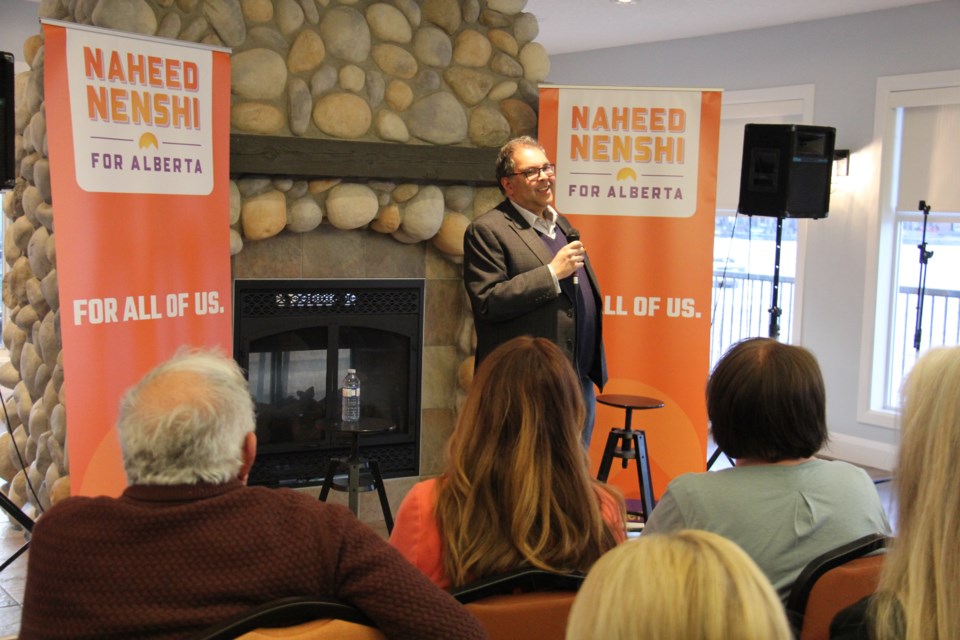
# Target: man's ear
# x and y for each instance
(249, 454)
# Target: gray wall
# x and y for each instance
(843, 58)
(18, 21)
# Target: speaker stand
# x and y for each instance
(775, 310)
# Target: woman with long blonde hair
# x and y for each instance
(919, 592)
(685, 585)
(515, 490)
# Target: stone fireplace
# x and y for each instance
(364, 139)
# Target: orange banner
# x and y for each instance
(138, 132)
(637, 174)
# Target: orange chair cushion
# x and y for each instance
(541, 615)
(317, 630)
(837, 589)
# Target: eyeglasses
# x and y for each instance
(533, 173)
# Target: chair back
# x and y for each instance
(522, 604)
(296, 618)
(832, 582)
(317, 630)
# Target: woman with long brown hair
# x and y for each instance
(515, 490)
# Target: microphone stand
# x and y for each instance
(922, 286)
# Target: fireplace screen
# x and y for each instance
(297, 338)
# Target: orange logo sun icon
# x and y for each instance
(627, 174)
(148, 140)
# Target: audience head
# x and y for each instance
(524, 401)
(686, 585)
(766, 401)
(920, 581)
(187, 421)
(516, 489)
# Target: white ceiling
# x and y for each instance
(567, 26)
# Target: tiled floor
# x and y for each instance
(12, 579)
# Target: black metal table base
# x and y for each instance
(356, 468)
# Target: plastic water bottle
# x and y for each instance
(350, 401)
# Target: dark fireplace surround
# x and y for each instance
(296, 339)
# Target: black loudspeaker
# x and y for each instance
(786, 170)
(7, 132)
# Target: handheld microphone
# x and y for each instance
(573, 235)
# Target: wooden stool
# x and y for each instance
(633, 444)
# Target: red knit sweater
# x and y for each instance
(166, 562)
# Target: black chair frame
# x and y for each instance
(525, 579)
(284, 612)
(800, 592)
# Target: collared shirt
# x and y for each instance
(547, 226)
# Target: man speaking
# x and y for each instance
(527, 273)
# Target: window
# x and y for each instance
(744, 247)
(918, 124)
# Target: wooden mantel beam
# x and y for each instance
(323, 158)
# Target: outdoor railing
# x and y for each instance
(741, 309)
(940, 325)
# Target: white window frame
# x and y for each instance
(893, 92)
(795, 101)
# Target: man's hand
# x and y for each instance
(568, 260)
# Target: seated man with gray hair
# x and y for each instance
(188, 544)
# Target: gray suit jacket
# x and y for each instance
(512, 292)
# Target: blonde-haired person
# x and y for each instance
(515, 490)
(685, 585)
(919, 591)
